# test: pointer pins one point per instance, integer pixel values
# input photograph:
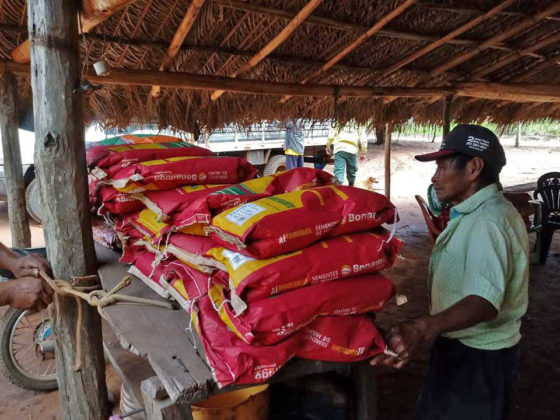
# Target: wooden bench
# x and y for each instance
(161, 337)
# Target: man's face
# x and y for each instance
(451, 184)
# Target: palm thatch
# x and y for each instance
(227, 33)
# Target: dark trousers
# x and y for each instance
(293, 161)
(344, 161)
(464, 383)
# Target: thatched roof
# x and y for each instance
(227, 33)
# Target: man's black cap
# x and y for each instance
(472, 140)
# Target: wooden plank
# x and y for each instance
(131, 369)
(502, 36)
(451, 35)
(161, 336)
(517, 92)
(352, 46)
(274, 43)
(184, 28)
(61, 172)
(13, 171)
(160, 407)
(94, 12)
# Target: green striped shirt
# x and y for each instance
(483, 252)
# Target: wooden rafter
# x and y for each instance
(451, 35)
(93, 13)
(298, 19)
(510, 58)
(174, 47)
(464, 10)
(520, 27)
(344, 26)
(357, 42)
(539, 68)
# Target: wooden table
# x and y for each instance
(521, 188)
(160, 336)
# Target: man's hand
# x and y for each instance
(362, 158)
(29, 266)
(28, 293)
(404, 340)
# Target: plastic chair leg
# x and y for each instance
(546, 240)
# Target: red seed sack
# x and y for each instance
(116, 202)
(286, 222)
(334, 338)
(165, 174)
(327, 260)
(270, 320)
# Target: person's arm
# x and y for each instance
(406, 338)
(483, 291)
(26, 293)
(28, 265)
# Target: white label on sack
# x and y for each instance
(235, 259)
(98, 173)
(244, 213)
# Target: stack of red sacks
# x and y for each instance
(289, 275)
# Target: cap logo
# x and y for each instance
(476, 143)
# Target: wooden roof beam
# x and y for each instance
(93, 13)
(518, 92)
(520, 27)
(484, 70)
(357, 42)
(184, 28)
(451, 35)
(275, 42)
(339, 25)
(469, 11)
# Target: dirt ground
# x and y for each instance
(539, 386)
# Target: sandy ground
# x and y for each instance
(398, 390)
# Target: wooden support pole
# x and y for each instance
(388, 162)
(447, 115)
(518, 135)
(275, 42)
(184, 28)
(15, 185)
(61, 171)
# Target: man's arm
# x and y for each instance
(7, 258)
(406, 338)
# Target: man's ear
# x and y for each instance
(474, 168)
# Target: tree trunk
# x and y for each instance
(446, 115)
(61, 171)
(518, 135)
(388, 164)
(380, 135)
(13, 171)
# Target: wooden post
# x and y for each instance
(61, 171)
(15, 185)
(446, 115)
(388, 162)
(518, 136)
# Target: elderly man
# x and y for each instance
(477, 287)
(29, 291)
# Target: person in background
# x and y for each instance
(477, 287)
(29, 291)
(294, 144)
(348, 141)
